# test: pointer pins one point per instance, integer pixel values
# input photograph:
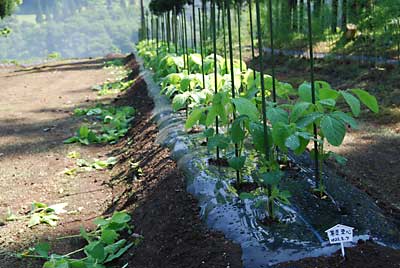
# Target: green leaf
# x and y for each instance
(257, 133)
(34, 220)
(276, 115)
(352, 101)
(346, 119)
(298, 110)
(219, 141)
(341, 160)
(121, 217)
(237, 132)
(271, 178)
(246, 107)
(185, 84)
(95, 250)
(119, 253)
(179, 101)
(325, 91)
(212, 114)
(333, 129)
(303, 145)
(209, 132)
(77, 264)
(292, 142)
(101, 221)
(280, 132)
(84, 234)
(113, 248)
(305, 92)
(367, 99)
(328, 102)
(245, 195)
(308, 119)
(71, 140)
(194, 117)
(83, 131)
(109, 236)
(43, 249)
(237, 163)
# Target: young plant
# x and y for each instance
(41, 214)
(104, 245)
(330, 119)
(268, 186)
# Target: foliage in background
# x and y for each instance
(94, 29)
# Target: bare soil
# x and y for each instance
(36, 108)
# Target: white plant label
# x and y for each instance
(340, 234)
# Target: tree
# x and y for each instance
(7, 7)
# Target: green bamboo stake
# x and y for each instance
(183, 40)
(157, 25)
(238, 181)
(168, 32)
(224, 11)
(251, 36)
(313, 97)
(194, 26)
(201, 49)
(263, 104)
(271, 38)
(239, 35)
(214, 32)
(176, 30)
(186, 50)
(240, 43)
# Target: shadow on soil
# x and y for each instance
(63, 67)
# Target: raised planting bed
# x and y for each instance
(300, 232)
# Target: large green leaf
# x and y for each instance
(194, 117)
(258, 137)
(333, 129)
(366, 98)
(180, 101)
(280, 132)
(305, 92)
(219, 141)
(109, 236)
(121, 217)
(298, 110)
(346, 119)
(237, 132)
(237, 163)
(292, 142)
(325, 91)
(277, 115)
(246, 107)
(308, 119)
(96, 251)
(271, 178)
(352, 101)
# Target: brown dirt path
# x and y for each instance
(36, 105)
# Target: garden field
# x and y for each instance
(214, 134)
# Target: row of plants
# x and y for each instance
(102, 246)
(109, 124)
(227, 105)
